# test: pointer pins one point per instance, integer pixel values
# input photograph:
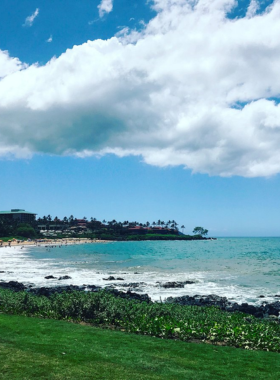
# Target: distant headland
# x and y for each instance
(21, 224)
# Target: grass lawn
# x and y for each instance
(32, 348)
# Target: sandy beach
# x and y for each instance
(50, 242)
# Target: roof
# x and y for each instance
(17, 211)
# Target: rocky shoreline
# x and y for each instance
(265, 310)
(48, 291)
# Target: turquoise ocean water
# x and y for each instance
(241, 269)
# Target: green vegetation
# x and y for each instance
(200, 231)
(160, 237)
(94, 229)
(14, 229)
(24, 229)
(33, 348)
(167, 321)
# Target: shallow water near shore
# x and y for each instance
(241, 269)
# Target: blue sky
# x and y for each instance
(166, 109)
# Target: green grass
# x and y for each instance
(33, 348)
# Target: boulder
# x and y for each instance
(130, 295)
(131, 284)
(65, 278)
(168, 285)
(13, 285)
(92, 288)
(47, 292)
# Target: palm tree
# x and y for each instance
(71, 219)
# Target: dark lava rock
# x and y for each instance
(65, 278)
(110, 278)
(130, 295)
(172, 285)
(261, 296)
(224, 304)
(13, 285)
(131, 284)
(248, 309)
(2, 271)
(272, 308)
(175, 284)
(47, 292)
(50, 277)
(92, 288)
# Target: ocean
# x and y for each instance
(241, 269)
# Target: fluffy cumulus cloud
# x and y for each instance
(106, 6)
(9, 65)
(194, 88)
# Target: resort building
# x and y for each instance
(18, 215)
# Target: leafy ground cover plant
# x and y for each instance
(186, 323)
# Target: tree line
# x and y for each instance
(15, 228)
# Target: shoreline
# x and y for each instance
(264, 311)
(45, 265)
(52, 242)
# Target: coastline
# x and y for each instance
(51, 242)
(159, 269)
(264, 311)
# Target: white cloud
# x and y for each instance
(9, 65)
(30, 19)
(106, 6)
(193, 88)
(49, 39)
(254, 6)
(91, 22)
